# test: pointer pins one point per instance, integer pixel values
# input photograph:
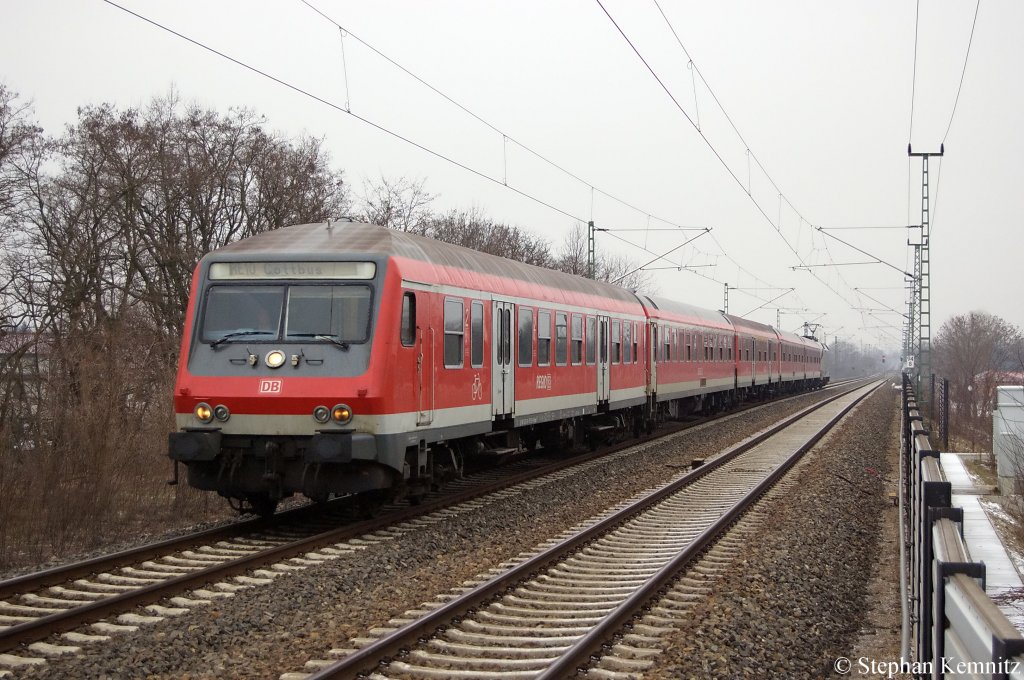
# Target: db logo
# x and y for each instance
(271, 386)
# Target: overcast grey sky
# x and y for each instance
(820, 92)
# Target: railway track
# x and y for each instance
(546, 615)
(92, 600)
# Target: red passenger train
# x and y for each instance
(345, 358)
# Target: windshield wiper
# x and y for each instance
(236, 334)
(317, 336)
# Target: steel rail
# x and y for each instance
(366, 659)
(580, 653)
(31, 631)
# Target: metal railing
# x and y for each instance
(958, 631)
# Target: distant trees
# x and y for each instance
(101, 229)
(971, 350)
(405, 205)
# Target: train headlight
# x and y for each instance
(341, 414)
(203, 413)
(321, 414)
(221, 413)
(275, 358)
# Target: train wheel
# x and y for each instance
(262, 505)
(370, 503)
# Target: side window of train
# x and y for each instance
(543, 338)
(561, 338)
(476, 334)
(591, 339)
(666, 346)
(616, 342)
(636, 343)
(454, 334)
(408, 332)
(525, 336)
(577, 339)
(627, 342)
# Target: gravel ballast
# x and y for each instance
(271, 629)
(820, 582)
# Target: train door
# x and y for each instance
(652, 354)
(753, 361)
(503, 355)
(426, 371)
(604, 389)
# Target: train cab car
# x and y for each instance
(691, 357)
(348, 359)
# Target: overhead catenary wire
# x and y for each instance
(913, 80)
(507, 137)
(341, 109)
(967, 56)
(715, 151)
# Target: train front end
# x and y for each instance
(276, 388)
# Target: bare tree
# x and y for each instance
(104, 227)
(401, 204)
(970, 350)
(617, 269)
(472, 229)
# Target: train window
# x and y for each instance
(591, 339)
(689, 347)
(525, 336)
(636, 343)
(408, 332)
(561, 338)
(627, 342)
(666, 347)
(543, 338)
(454, 334)
(252, 311)
(476, 334)
(577, 339)
(336, 312)
(616, 343)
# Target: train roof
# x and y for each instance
(800, 340)
(659, 307)
(755, 328)
(426, 260)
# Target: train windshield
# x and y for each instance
(299, 313)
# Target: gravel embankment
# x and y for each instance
(821, 582)
(275, 628)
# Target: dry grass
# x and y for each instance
(92, 470)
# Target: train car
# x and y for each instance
(757, 345)
(691, 357)
(801, 361)
(344, 358)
